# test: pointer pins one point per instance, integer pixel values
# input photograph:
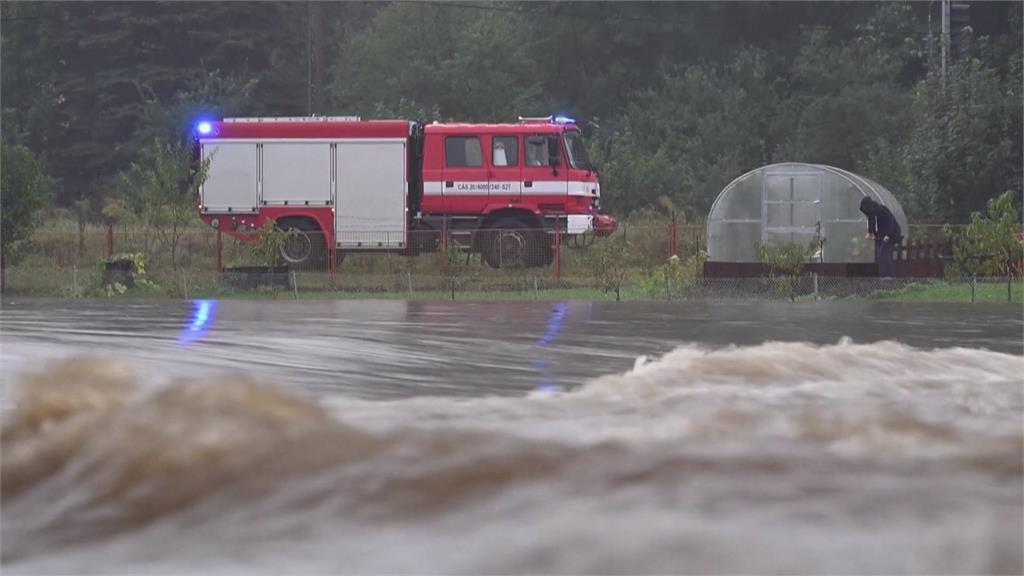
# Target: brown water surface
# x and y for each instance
(387, 437)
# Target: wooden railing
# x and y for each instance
(921, 259)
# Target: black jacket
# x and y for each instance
(881, 222)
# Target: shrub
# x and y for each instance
(992, 244)
(610, 260)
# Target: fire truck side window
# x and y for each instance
(462, 152)
(536, 150)
(505, 151)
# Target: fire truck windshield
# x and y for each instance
(577, 152)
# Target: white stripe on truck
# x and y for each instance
(473, 188)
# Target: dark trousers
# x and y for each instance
(883, 257)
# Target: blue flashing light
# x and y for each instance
(204, 128)
(564, 120)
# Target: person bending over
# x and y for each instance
(884, 230)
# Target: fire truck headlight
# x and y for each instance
(215, 223)
(204, 128)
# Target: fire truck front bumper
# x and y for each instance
(604, 225)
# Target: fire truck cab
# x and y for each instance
(347, 185)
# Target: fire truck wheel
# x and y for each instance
(543, 254)
(510, 243)
(423, 239)
(305, 249)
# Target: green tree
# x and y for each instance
(93, 83)
(992, 243)
(687, 95)
(465, 64)
(207, 94)
(610, 261)
(163, 192)
(685, 140)
(966, 143)
(22, 197)
(30, 34)
(846, 96)
(675, 276)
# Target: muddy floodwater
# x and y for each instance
(246, 437)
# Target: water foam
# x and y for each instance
(697, 450)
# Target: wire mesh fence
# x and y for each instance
(72, 282)
(814, 287)
(508, 263)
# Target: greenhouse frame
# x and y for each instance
(796, 203)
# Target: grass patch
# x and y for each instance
(189, 283)
(555, 294)
(952, 292)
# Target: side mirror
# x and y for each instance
(554, 160)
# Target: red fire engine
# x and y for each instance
(346, 185)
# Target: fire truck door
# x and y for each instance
(465, 173)
(544, 172)
(504, 174)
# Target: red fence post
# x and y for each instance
(332, 256)
(110, 240)
(558, 254)
(668, 239)
(220, 253)
(674, 248)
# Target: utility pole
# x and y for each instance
(319, 18)
(931, 41)
(945, 39)
(309, 48)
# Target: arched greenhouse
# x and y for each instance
(796, 203)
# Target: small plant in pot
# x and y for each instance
(122, 272)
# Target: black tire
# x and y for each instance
(510, 243)
(544, 252)
(307, 248)
(424, 239)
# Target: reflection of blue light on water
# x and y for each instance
(203, 313)
(548, 387)
(558, 315)
(555, 321)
